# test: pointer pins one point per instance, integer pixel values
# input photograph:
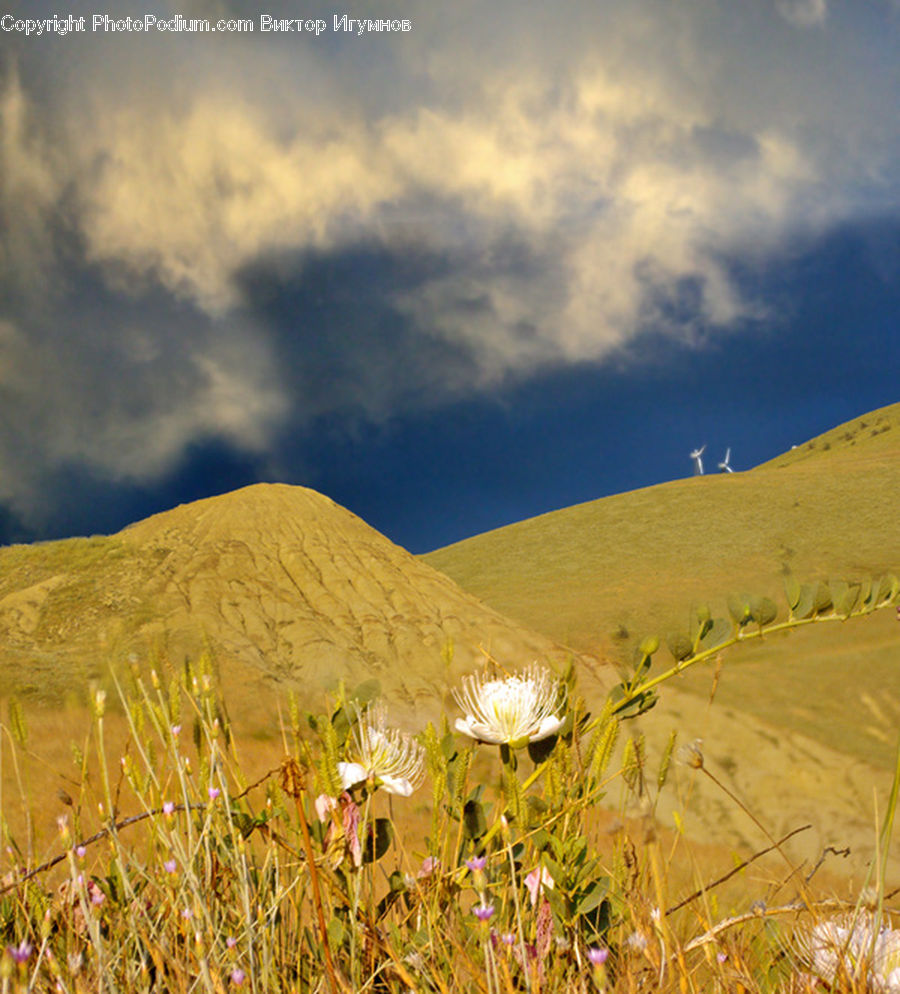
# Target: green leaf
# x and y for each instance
(474, 820)
(806, 604)
(380, 834)
(763, 610)
(245, 824)
(822, 600)
(592, 895)
(556, 871)
(448, 746)
(792, 590)
(541, 838)
(739, 608)
(865, 592)
(720, 632)
(680, 645)
(649, 645)
(576, 849)
(365, 693)
(846, 602)
(892, 588)
(336, 933)
(539, 752)
(557, 904)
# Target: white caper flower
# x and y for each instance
(514, 711)
(858, 949)
(387, 757)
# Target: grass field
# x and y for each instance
(789, 738)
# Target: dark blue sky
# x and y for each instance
(451, 278)
(828, 351)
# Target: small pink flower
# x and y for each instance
(430, 865)
(597, 955)
(237, 976)
(476, 863)
(231, 942)
(95, 895)
(721, 957)
(81, 852)
(324, 806)
(351, 819)
(213, 792)
(536, 881)
(168, 807)
(170, 866)
(176, 729)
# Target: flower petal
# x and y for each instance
(396, 785)
(351, 774)
(477, 730)
(548, 726)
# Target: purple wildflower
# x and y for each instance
(237, 976)
(22, 952)
(170, 866)
(483, 911)
(168, 807)
(476, 863)
(213, 792)
(597, 955)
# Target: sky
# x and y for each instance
(511, 258)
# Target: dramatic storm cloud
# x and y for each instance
(229, 236)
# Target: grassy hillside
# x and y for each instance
(284, 588)
(289, 591)
(801, 724)
(600, 574)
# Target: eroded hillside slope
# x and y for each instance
(279, 582)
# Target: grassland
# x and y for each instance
(798, 730)
(603, 575)
(170, 868)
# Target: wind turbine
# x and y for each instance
(724, 465)
(695, 455)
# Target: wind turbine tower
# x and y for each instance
(698, 462)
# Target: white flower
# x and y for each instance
(514, 711)
(855, 949)
(388, 757)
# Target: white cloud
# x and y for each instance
(803, 13)
(580, 176)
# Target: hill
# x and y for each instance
(283, 587)
(802, 724)
(599, 574)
